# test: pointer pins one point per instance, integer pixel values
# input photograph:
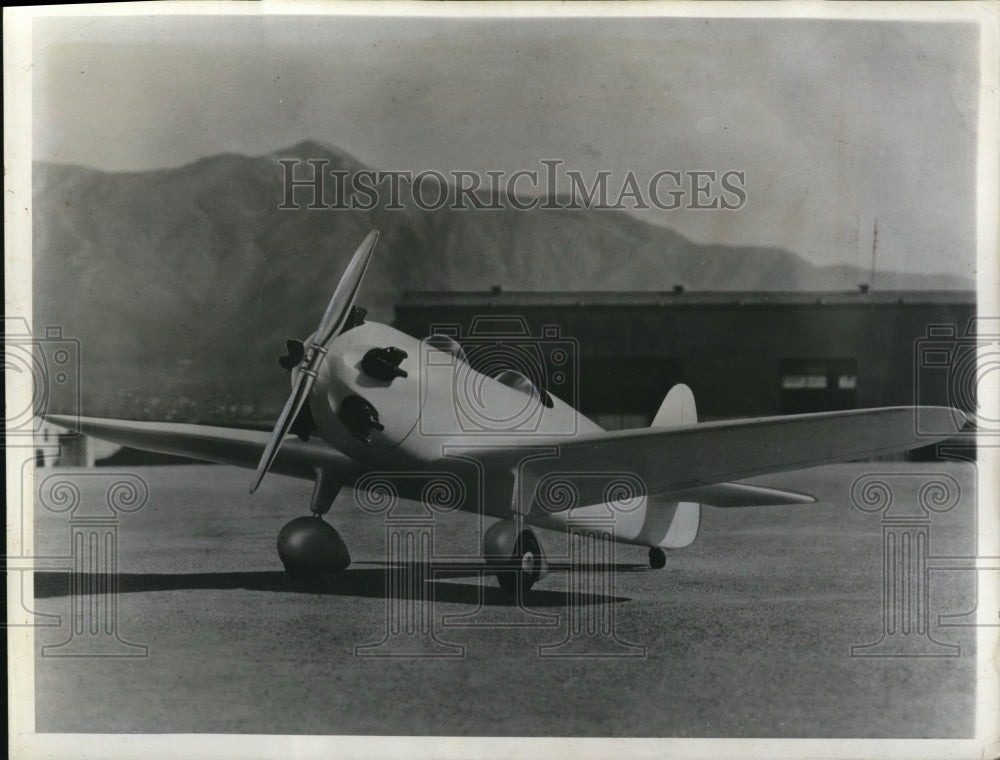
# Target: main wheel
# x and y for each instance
(525, 566)
(657, 558)
(311, 548)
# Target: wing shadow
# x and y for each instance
(369, 582)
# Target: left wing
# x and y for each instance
(233, 446)
(682, 459)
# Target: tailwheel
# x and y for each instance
(657, 558)
(310, 548)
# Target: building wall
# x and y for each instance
(742, 357)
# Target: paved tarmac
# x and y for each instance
(748, 632)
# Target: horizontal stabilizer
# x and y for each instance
(742, 495)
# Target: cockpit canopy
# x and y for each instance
(509, 377)
(514, 379)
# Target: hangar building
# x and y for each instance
(744, 354)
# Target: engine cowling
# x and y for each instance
(366, 399)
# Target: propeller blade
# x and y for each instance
(285, 420)
(336, 315)
(339, 308)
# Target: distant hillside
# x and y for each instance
(184, 283)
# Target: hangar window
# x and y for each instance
(803, 381)
(847, 382)
(818, 384)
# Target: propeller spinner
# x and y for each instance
(334, 319)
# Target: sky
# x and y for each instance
(834, 123)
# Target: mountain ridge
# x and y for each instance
(191, 278)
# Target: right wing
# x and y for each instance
(683, 459)
(232, 446)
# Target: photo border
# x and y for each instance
(26, 743)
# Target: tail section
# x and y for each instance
(684, 527)
(678, 408)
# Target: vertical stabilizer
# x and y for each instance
(678, 408)
(684, 527)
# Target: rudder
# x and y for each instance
(679, 408)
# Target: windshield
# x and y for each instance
(447, 344)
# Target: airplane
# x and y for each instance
(368, 399)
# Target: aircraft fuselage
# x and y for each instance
(442, 407)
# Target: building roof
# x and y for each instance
(670, 299)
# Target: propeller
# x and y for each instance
(334, 318)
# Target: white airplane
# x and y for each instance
(384, 402)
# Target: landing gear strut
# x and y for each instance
(657, 558)
(309, 547)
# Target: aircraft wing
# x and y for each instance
(233, 446)
(683, 459)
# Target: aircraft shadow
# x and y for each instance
(369, 582)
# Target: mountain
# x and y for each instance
(182, 284)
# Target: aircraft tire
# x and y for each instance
(525, 566)
(310, 548)
(657, 558)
